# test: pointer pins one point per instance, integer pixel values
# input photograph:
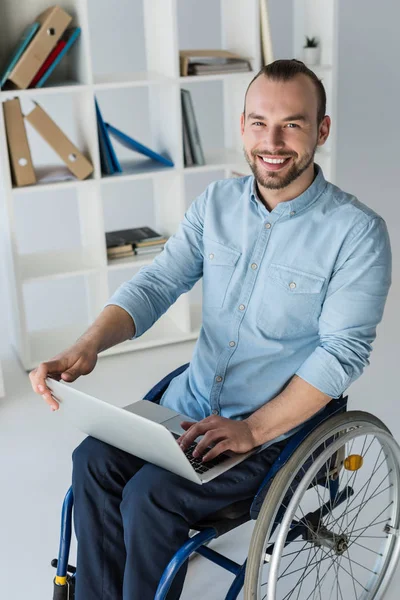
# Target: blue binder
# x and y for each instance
(72, 37)
(108, 157)
(132, 144)
(24, 42)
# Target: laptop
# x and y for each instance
(145, 429)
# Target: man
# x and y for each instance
(295, 275)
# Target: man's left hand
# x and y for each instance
(221, 433)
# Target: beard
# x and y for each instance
(275, 180)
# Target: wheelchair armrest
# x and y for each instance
(335, 406)
(155, 394)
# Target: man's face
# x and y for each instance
(280, 123)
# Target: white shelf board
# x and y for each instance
(119, 80)
(131, 261)
(51, 177)
(163, 332)
(47, 343)
(55, 265)
(219, 159)
(68, 87)
(218, 76)
(138, 169)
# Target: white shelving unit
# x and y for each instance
(128, 58)
(2, 391)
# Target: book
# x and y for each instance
(23, 43)
(187, 57)
(53, 22)
(132, 236)
(145, 251)
(149, 243)
(108, 158)
(266, 39)
(76, 162)
(22, 169)
(187, 151)
(56, 55)
(218, 65)
(192, 129)
(136, 146)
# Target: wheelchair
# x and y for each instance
(326, 516)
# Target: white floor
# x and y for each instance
(35, 469)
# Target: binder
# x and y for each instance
(23, 43)
(60, 51)
(107, 152)
(76, 162)
(186, 56)
(132, 144)
(187, 151)
(18, 147)
(53, 22)
(192, 129)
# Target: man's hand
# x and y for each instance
(78, 360)
(221, 433)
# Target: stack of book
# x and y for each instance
(136, 241)
(38, 52)
(22, 169)
(211, 62)
(192, 148)
(108, 158)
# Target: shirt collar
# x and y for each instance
(292, 207)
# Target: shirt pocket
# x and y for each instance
(291, 302)
(219, 265)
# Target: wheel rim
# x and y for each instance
(318, 565)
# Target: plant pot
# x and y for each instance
(311, 56)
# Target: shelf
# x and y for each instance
(119, 80)
(220, 159)
(55, 265)
(51, 177)
(47, 343)
(138, 169)
(131, 261)
(218, 76)
(69, 87)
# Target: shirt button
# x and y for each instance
(242, 307)
(218, 378)
(292, 285)
(211, 256)
(215, 412)
(293, 212)
(267, 225)
(232, 344)
(254, 266)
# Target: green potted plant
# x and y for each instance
(311, 51)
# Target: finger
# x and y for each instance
(185, 425)
(193, 432)
(39, 375)
(216, 451)
(211, 437)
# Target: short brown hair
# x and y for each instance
(286, 69)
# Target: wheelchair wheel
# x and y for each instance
(329, 524)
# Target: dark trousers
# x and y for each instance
(131, 517)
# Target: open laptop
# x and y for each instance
(145, 429)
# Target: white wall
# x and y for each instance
(367, 166)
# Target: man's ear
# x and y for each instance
(242, 123)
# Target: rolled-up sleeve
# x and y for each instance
(174, 271)
(352, 309)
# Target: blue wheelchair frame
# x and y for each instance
(198, 541)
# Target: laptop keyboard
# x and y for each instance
(197, 463)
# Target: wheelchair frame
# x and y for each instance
(65, 576)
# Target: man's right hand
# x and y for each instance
(78, 360)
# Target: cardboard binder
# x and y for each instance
(185, 56)
(53, 22)
(78, 164)
(18, 147)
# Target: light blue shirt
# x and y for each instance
(298, 290)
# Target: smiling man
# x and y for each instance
(295, 278)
